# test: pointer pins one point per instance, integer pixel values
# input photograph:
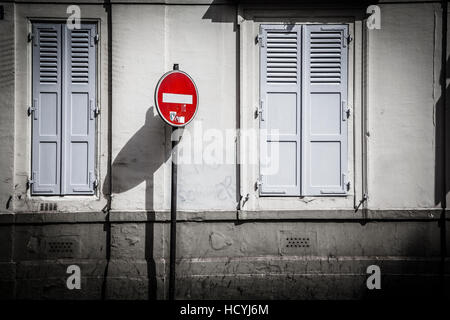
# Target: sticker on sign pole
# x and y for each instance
(176, 98)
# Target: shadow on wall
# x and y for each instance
(439, 184)
(137, 162)
(215, 11)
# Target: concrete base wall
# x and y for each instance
(223, 259)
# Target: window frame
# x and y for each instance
(250, 19)
(23, 201)
(63, 100)
(302, 89)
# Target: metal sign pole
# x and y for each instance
(173, 214)
(174, 92)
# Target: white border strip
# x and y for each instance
(177, 98)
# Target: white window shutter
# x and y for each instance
(279, 114)
(79, 110)
(46, 109)
(325, 109)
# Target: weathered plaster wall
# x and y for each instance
(147, 41)
(138, 135)
(7, 73)
(403, 89)
(203, 40)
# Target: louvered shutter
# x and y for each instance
(280, 110)
(46, 116)
(324, 109)
(78, 156)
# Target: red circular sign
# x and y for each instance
(176, 98)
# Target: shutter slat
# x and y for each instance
(281, 50)
(328, 56)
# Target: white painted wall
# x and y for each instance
(404, 66)
(7, 72)
(403, 89)
(147, 41)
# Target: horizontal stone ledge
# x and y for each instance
(226, 266)
(344, 214)
(317, 286)
(38, 269)
(52, 217)
(308, 265)
(122, 216)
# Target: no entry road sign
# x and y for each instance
(176, 98)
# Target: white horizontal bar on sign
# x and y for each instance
(177, 98)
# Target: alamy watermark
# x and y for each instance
(374, 20)
(213, 147)
(374, 280)
(74, 19)
(74, 280)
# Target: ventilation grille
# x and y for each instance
(61, 248)
(48, 56)
(282, 50)
(80, 56)
(294, 242)
(48, 207)
(326, 57)
(297, 243)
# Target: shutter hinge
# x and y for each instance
(346, 182)
(349, 39)
(96, 110)
(94, 180)
(260, 40)
(30, 181)
(96, 38)
(33, 109)
(259, 111)
(345, 111)
(30, 110)
(30, 36)
(258, 184)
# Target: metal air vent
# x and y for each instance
(46, 206)
(293, 242)
(62, 247)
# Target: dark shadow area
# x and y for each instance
(441, 181)
(442, 131)
(217, 14)
(107, 191)
(215, 10)
(137, 162)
